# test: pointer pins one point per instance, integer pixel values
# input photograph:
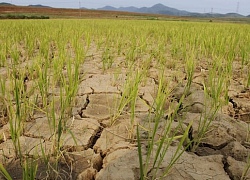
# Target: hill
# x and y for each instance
(6, 4)
(39, 6)
(165, 10)
(217, 15)
(156, 9)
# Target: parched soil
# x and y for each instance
(101, 151)
(72, 13)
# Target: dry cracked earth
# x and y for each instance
(103, 152)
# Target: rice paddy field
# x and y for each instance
(124, 100)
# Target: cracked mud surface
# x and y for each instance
(101, 151)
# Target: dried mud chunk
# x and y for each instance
(3, 120)
(190, 166)
(217, 137)
(178, 174)
(28, 146)
(5, 133)
(38, 128)
(101, 106)
(242, 109)
(97, 162)
(35, 146)
(112, 138)
(120, 164)
(237, 129)
(197, 102)
(100, 84)
(80, 161)
(141, 106)
(180, 90)
(7, 151)
(88, 174)
(236, 150)
(236, 168)
(81, 102)
(206, 151)
(80, 133)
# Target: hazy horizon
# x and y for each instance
(205, 6)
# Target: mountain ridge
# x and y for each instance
(155, 9)
(165, 10)
(38, 6)
(6, 4)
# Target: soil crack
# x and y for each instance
(234, 103)
(141, 96)
(226, 167)
(80, 112)
(95, 137)
(92, 89)
(215, 147)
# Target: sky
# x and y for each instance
(202, 6)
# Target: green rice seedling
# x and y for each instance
(160, 56)
(58, 65)
(68, 89)
(107, 58)
(16, 124)
(70, 84)
(116, 74)
(177, 154)
(205, 120)
(131, 55)
(30, 43)
(248, 80)
(64, 104)
(217, 83)
(190, 65)
(3, 53)
(158, 149)
(45, 48)
(142, 171)
(30, 166)
(211, 106)
(43, 82)
(119, 47)
(3, 89)
(81, 48)
(52, 160)
(133, 95)
(129, 99)
(4, 172)
(129, 95)
(17, 113)
(247, 166)
(100, 43)
(246, 170)
(159, 112)
(59, 126)
(145, 66)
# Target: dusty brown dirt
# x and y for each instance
(101, 151)
(76, 13)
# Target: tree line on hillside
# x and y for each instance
(18, 16)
